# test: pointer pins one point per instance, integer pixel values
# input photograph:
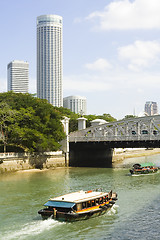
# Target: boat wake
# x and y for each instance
(147, 174)
(113, 210)
(31, 229)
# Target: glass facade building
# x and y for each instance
(18, 76)
(49, 59)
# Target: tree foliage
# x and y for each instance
(129, 116)
(31, 123)
(73, 123)
(7, 121)
(34, 125)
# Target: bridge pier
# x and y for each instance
(91, 154)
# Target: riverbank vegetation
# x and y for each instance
(73, 122)
(31, 124)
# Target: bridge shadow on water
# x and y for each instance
(99, 154)
(90, 155)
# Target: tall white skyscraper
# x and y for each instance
(76, 104)
(151, 108)
(18, 76)
(49, 59)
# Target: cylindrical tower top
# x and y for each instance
(44, 19)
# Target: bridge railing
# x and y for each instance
(13, 155)
(135, 129)
(112, 138)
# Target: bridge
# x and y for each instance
(93, 146)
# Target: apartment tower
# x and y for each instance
(49, 59)
(76, 104)
(18, 76)
(151, 108)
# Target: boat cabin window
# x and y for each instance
(106, 198)
(79, 206)
(84, 205)
(92, 203)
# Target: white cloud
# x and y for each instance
(100, 64)
(124, 14)
(120, 80)
(117, 92)
(85, 83)
(140, 54)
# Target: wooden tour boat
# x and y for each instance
(144, 168)
(78, 205)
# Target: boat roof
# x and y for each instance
(80, 196)
(147, 164)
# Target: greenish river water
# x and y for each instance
(136, 214)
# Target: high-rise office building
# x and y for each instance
(49, 59)
(18, 76)
(76, 104)
(151, 108)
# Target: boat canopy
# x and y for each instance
(60, 204)
(80, 196)
(147, 164)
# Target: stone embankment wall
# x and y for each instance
(11, 162)
(56, 160)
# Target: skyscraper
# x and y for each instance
(151, 108)
(17, 74)
(49, 59)
(76, 104)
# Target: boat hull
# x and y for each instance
(135, 172)
(77, 216)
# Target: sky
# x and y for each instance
(111, 49)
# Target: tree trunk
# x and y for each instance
(4, 147)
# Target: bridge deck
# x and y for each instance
(131, 132)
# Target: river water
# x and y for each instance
(136, 214)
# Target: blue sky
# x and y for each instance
(111, 49)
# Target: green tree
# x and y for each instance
(129, 116)
(7, 120)
(37, 124)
